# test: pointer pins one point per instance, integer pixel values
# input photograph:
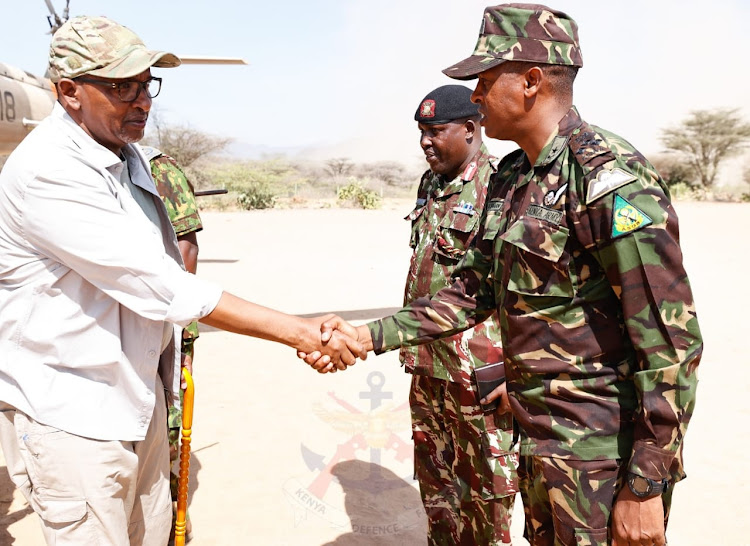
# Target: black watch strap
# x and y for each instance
(645, 487)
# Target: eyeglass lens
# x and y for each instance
(129, 91)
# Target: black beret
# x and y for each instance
(445, 104)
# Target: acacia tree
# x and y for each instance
(706, 138)
(185, 144)
(339, 166)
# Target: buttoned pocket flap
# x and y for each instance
(538, 267)
(460, 221)
(541, 238)
(62, 510)
(454, 235)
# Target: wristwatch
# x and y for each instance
(645, 487)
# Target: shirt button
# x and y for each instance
(152, 354)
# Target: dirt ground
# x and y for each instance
(284, 456)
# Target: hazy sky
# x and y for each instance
(344, 77)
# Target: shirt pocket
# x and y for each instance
(538, 264)
(499, 479)
(454, 235)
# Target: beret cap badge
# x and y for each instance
(427, 109)
(445, 104)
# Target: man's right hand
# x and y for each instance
(335, 350)
(329, 329)
(502, 392)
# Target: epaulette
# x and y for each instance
(150, 152)
(586, 144)
(604, 175)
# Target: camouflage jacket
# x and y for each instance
(580, 256)
(178, 195)
(445, 221)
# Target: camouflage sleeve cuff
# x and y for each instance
(385, 335)
(189, 335)
(650, 461)
(188, 347)
(187, 224)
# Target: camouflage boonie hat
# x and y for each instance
(521, 32)
(101, 47)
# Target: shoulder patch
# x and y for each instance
(626, 218)
(607, 181)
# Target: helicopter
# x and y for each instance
(26, 99)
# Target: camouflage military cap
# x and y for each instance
(101, 47)
(521, 32)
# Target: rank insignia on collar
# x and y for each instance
(606, 181)
(421, 201)
(553, 197)
(470, 171)
(464, 208)
(626, 218)
(427, 109)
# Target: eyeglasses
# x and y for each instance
(128, 91)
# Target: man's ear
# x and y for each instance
(68, 93)
(532, 81)
(471, 126)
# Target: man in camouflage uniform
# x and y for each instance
(579, 254)
(463, 457)
(178, 196)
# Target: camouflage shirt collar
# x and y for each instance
(443, 187)
(559, 138)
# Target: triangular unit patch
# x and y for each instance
(627, 218)
(606, 181)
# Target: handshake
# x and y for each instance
(332, 344)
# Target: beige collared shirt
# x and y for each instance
(86, 284)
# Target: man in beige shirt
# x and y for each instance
(91, 286)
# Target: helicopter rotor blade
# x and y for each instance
(202, 59)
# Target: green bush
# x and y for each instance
(256, 196)
(356, 195)
(254, 183)
(683, 191)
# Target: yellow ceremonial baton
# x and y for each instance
(184, 475)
